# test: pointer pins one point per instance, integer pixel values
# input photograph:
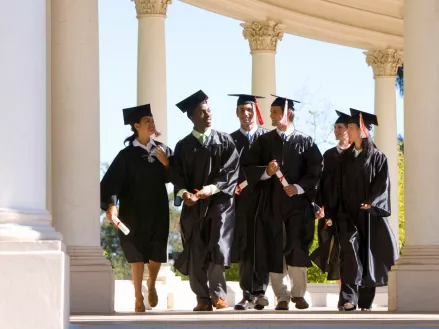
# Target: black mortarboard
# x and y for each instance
(191, 103)
(342, 117)
(368, 118)
(280, 101)
(133, 115)
(250, 99)
(245, 99)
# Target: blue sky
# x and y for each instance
(207, 51)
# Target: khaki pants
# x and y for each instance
(297, 277)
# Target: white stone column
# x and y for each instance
(413, 280)
(75, 152)
(385, 63)
(33, 276)
(151, 60)
(263, 37)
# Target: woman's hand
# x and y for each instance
(111, 212)
(161, 155)
(204, 193)
(321, 213)
(189, 199)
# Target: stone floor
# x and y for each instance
(314, 317)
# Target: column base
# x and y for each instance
(92, 281)
(413, 280)
(34, 285)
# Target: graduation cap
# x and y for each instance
(286, 104)
(364, 120)
(342, 117)
(250, 99)
(133, 115)
(191, 103)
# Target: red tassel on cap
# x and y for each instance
(364, 133)
(157, 133)
(258, 113)
(284, 119)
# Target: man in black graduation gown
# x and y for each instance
(249, 233)
(204, 171)
(286, 212)
(326, 256)
(367, 244)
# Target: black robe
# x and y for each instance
(327, 255)
(248, 229)
(138, 179)
(193, 167)
(301, 163)
(368, 245)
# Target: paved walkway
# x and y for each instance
(314, 317)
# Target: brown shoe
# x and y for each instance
(139, 307)
(203, 307)
(282, 306)
(300, 302)
(220, 303)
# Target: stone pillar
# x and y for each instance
(263, 37)
(413, 280)
(34, 279)
(385, 63)
(76, 154)
(151, 60)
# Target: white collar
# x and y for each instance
(198, 134)
(148, 147)
(287, 132)
(340, 149)
(251, 132)
(357, 152)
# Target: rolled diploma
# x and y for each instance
(121, 226)
(240, 187)
(282, 178)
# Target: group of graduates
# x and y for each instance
(251, 197)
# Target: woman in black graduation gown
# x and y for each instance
(368, 246)
(326, 256)
(137, 179)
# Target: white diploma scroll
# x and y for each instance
(282, 179)
(121, 226)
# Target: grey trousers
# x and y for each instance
(207, 284)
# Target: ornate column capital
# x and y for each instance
(384, 62)
(151, 7)
(263, 35)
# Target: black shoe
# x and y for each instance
(261, 301)
(244, 305)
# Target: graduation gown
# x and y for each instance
(301, 163)
(138, 179)
(327, 255)
(194, 166)
(249, 233)
(368, 245)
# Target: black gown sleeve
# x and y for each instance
(227, 178)
(113, 181)
(313, 164)
(168, 170)
(176, 172)
(379, 189)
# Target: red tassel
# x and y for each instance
(157, 133)
(284, 119)
(258, 113)
(364, 133)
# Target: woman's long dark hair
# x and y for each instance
(368, 147)
(131, 138)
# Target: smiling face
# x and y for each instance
(202, 117)
(354, 133)
(276, 115)
(145, 127)
(246, 115)
(341, 131)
